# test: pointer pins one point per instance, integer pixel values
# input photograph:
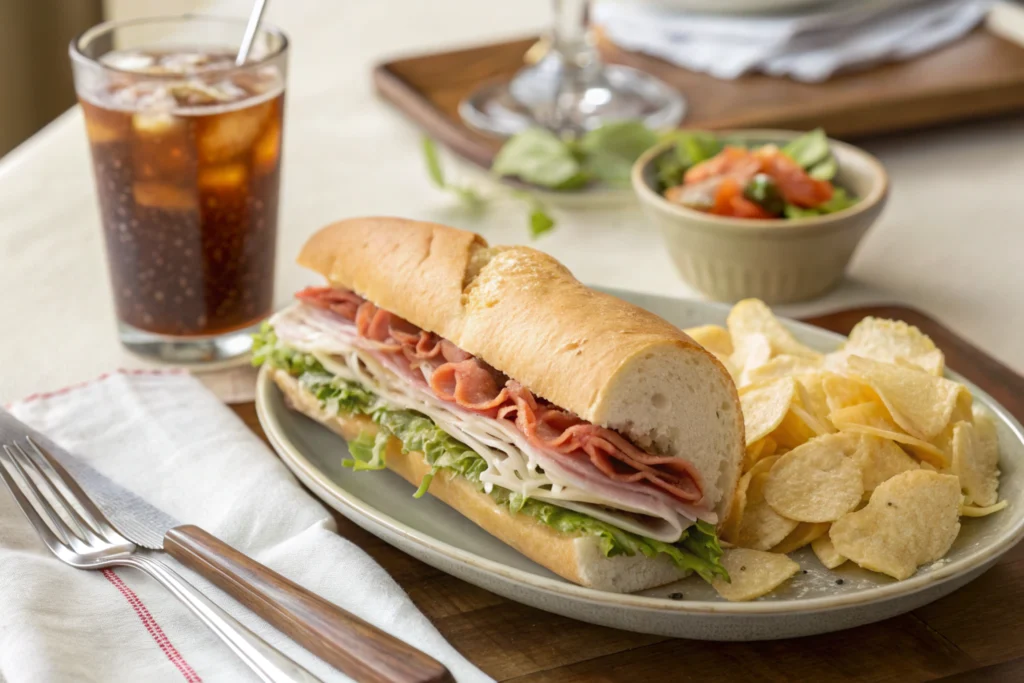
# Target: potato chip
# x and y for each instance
(815, 482)
(755, 352)
(804, 533)
(910, 520)
(963, 411)
(765, 406)
(879, 460)
(813, 396)
(731, 525)
(819, 428)
(919, 403)
(891, 341)
(975, 511)
(753, 454)
(753, 573)
(714, 338)
(843, 392)
(792, 431)
(752, 317)
(826, 552)
(874, 419)
(762, 448)
(781, 366)
(976, 464)
(761, 527)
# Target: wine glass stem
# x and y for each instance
(572, 41)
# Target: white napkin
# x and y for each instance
(169, 440)
(811, 46)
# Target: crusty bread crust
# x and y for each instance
(525, 314)
(575, 558)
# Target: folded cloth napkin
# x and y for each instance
(810, 46)
(169, 440)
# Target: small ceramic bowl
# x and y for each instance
(777, 260)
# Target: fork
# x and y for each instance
(90, 542)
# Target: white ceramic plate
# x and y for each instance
(815, 601)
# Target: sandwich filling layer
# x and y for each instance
(469, 419)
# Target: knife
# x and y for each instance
(340, 638)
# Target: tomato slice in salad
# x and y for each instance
(795, 185)
(729, 201)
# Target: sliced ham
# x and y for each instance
(458, 377)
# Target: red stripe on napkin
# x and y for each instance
(154, 628)
(106, 375)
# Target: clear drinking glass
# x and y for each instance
(570, 89)
(186, 151)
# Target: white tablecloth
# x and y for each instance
(951, 241)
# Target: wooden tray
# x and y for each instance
(981, 75)
(971, 635)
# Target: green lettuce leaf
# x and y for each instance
(809, 149)
(698, 550)
(267, 349)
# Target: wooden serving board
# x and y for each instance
(981, 75)
(971, 635)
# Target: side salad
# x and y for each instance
(702, 171)
(725, 178)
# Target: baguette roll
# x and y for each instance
(609, 362)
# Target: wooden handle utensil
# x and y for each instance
(354, 646)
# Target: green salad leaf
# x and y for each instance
(691, 148)
(763, 190)
(698, 550)
(436, 172)
(267, 348)
(540, 157)
(840, 200)
(824, 170)
(695, 146)
(608, 152)
(808, 149)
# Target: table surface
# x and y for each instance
(951, 241)
(972, 634)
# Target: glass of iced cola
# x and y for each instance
(186, 151)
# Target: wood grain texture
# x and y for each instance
(971, 635)
(354, 646)
(981, 75)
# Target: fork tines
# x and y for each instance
(63, 500)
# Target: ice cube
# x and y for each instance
(162, 147)
(102, 125)
(183, 62)
(224, 137)
(158, 123)
(268, 149)
(155, 195)
(128, 61)
(194, 93)
(149, 97)
(224, 178)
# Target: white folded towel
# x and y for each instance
(808, 47)
(169, 440)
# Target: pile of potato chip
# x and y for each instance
(867, 454)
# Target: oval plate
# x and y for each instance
(812, 602)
